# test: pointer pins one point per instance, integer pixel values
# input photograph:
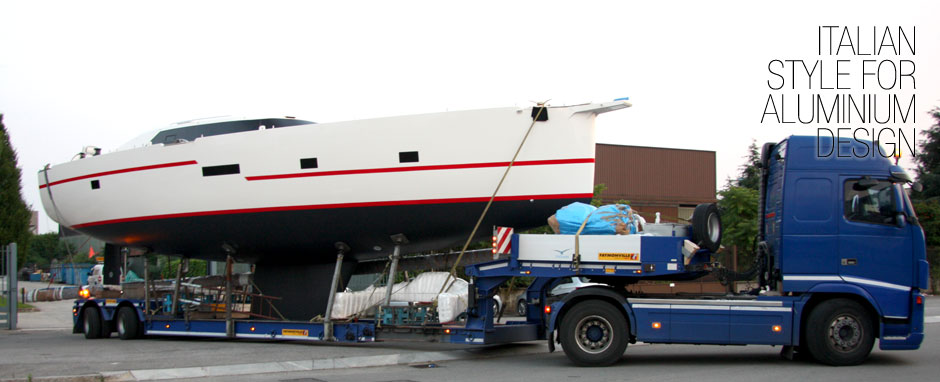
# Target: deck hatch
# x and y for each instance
(227, 169)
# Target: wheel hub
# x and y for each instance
(594, 334)
(845, 333)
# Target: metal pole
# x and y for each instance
(391, 275)
(147, 287)
(328, 316)
(734, 267)
(176, 290)
(11, 285)
(229, 324)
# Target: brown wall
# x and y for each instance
(655, 179)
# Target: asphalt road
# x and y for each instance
(45, 347)
(649, 363)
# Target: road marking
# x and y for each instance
(931, 319)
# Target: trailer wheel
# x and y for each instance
(522, 308)
(593, 333)
(839, 332)
(706, 226)
(127, 324)
(91, 323)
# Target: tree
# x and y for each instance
(738, 206)
(750, 170)
(928, 160)
(928, 213)
(14, 212)
(45, 247)
(927, 202)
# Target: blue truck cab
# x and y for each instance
(839, 224)
(841, 262)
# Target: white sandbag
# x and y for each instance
(424, 288)
(449, 306)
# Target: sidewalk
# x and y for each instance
(44, 348)
(49, 315)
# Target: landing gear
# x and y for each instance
(839, 332)
(593, 333)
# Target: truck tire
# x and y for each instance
(706, 226)
(593, 333)
(91, 323)
(128, 324)
(839, 332)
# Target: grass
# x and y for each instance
(19, 304)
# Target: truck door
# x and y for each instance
(875, 252)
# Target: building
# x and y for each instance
(34, 222)
(652, 179)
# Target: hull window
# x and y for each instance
(408, 157)
(308, 163)
(95, 185)
(227, 169)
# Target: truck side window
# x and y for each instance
(874, 204)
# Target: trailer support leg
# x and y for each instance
(399, 240)
(328, 316)
(176, 289)
(147, 288)
(229, 324)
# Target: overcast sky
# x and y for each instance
(74, 74)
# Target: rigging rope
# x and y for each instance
(453, 270)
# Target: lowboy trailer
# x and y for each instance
(841, 261)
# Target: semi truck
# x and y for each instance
(840, 262)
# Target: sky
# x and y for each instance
(699, 74)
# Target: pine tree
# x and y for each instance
(738, 206)
(14, 213)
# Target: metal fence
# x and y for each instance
(8, 287)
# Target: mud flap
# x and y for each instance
(551, 341)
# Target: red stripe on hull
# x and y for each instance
(121, 171)
(335, 205)
(421, 168)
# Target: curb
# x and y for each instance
(293, 366)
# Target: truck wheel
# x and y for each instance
(593, 333)
(127, 324)
(839, 332)
(522, 308)
(91, 323)
(706, 226)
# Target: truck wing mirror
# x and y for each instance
(917, 187)
(901, 220)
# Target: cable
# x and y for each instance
(453, 270)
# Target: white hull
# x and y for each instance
(461, 157)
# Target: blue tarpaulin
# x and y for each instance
(600, 220)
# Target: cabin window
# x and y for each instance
(95, 185)
(227, 169)
(408, 157)
(870, 203)
(308, 163)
